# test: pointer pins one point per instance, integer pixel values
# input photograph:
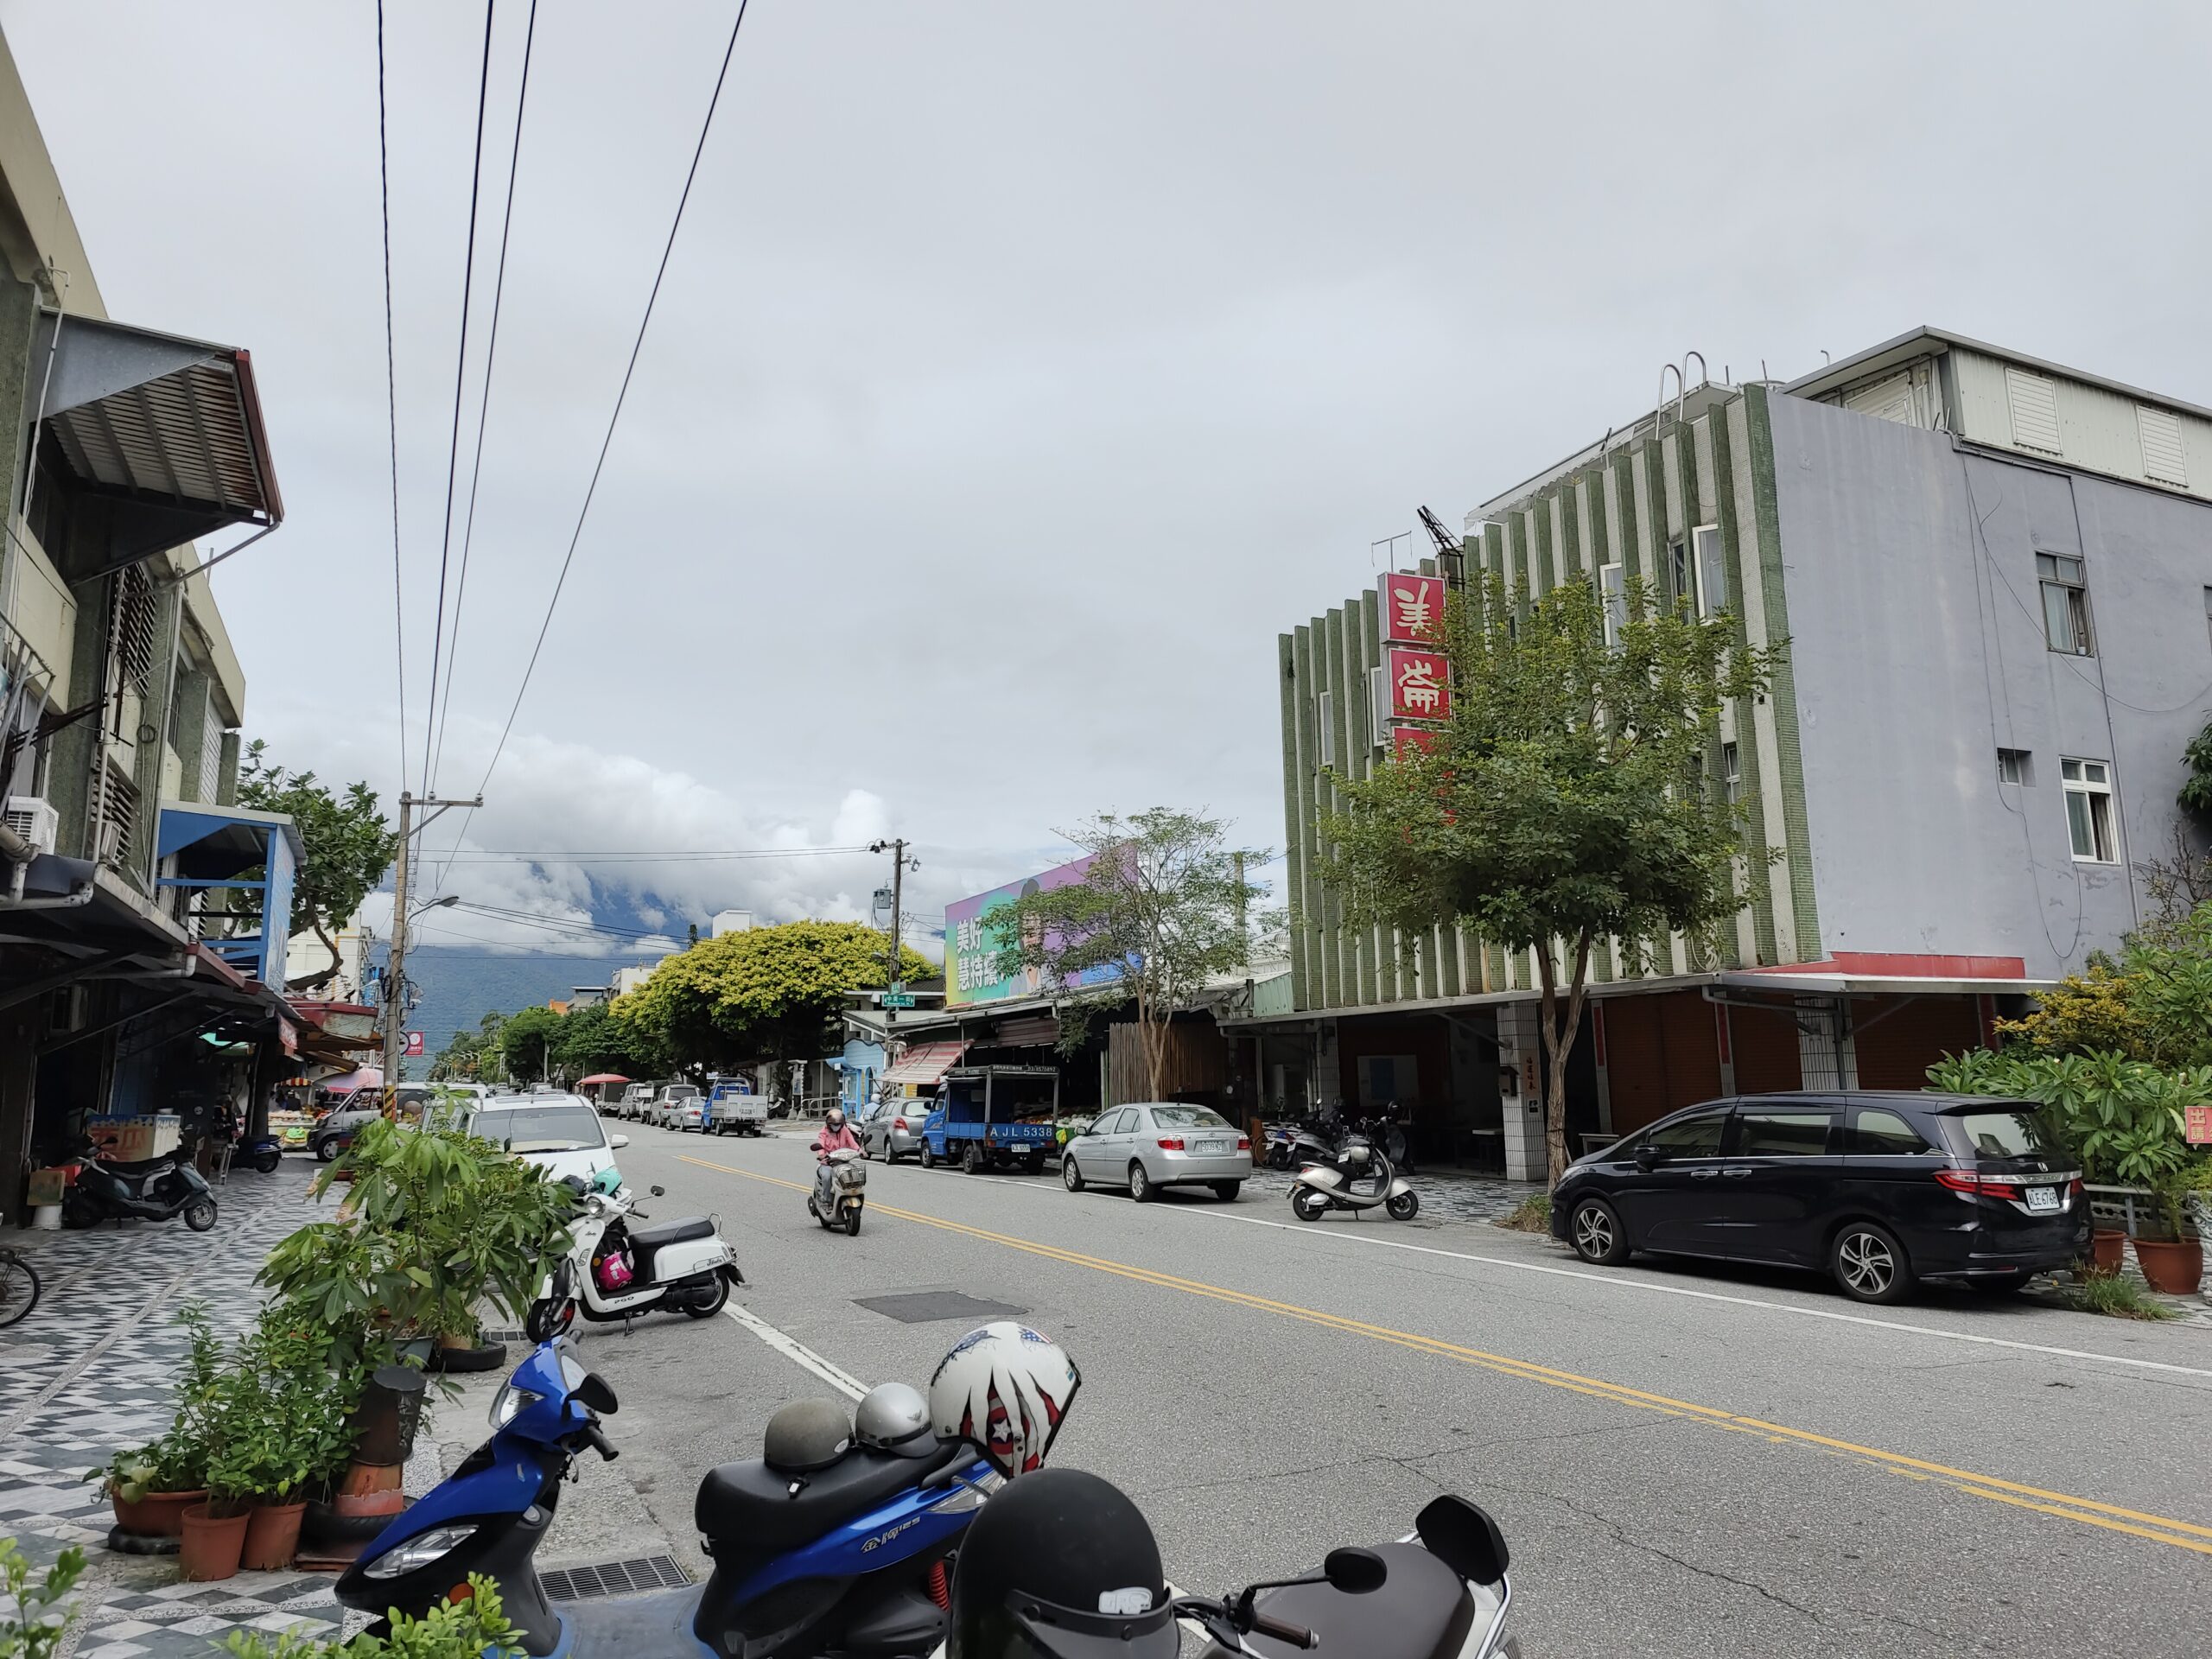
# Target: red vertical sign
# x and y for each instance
(1420, 684)
(1412, 608)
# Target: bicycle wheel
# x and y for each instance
(18, 1288)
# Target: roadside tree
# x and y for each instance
(346, 843)
(1162, 906)
(1568, 801)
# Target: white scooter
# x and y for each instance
(1359, 1178)
(848, 1178)
(613, 1271)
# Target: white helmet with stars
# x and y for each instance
(1004, 1388)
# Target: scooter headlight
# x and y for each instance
(418, 1552)
(509, 1403)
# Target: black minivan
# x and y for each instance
(1878, 1188)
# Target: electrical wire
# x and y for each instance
(561, 924)
(488, 856)
(391, 398)
(613, 420)
(460, 377)
(483, 407)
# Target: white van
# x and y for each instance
(560, 1134)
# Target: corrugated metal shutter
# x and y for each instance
(1765, 1046)
(211, 756)
(2034, 402)
(1895, 1049)
(1887, 399)
(2162, 456)
(1636, 1062)
(1693, 1048)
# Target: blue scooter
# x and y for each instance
(850, 1557)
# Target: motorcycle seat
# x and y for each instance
(754, 1508)
(143, 1166)
(1421, 1611)
(646, 1240)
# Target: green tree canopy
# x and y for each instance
(1568, 801)
(526, 1041)
(472, 1056)
(763, 993)
(347, 846)
(1160, 909)
(591, 1038)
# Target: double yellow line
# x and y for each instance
(2159, 1529)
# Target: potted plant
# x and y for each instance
(214, 1529)
(151, 1486)
(288, 1431)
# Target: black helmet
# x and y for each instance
(1060, 1565)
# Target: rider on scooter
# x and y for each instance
(837, 1135)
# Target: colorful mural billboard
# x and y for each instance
(977, 968)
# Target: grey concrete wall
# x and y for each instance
(1918, 644)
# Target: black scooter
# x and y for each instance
(159, 1189)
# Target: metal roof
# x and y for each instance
(925, 1064)
(1925, 341)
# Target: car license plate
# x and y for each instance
(2042, 1199)
(1207, 1146)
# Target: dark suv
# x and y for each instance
(1878, 1188)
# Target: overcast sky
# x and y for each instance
(1022, 370)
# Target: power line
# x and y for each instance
(484, 408)
(620, 398)
(460, 377)
(559, 924)
(392, 400)
(492, 856)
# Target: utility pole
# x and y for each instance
(395, 975)
(897, 851)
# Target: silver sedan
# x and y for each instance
(891, 1129)
(1159, 1143)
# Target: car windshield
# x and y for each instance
(542, 1129)
(1188, 1117)
(2018, 1133)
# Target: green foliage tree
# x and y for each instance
(347, 847)
(764, 993)
(1568, 801)
(2196, 795)
(591, 1038)
(478, 1056)
(1161, 908)
(526, 1041)
(2153, 1003)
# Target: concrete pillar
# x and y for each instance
(1520, 1051)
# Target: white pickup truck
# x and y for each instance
(731, 1109)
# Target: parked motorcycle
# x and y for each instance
(1290, 1144)
(264, 1153)
(156, 1189)
(613, 1271)
(847, 1169)
(1440, 1592)
(820, 1545)
(1359, 1177)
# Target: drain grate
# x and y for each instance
(922, 1307)
(614, 1578)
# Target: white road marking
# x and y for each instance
(796, 1351)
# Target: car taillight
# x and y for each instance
(2074, 1189)
(1171, 1143)
(899, 1124)
(1244, 1143)
(1959, 1180)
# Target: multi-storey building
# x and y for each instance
(140, 910)
(1993, 575)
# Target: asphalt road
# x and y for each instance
(1692, 1462)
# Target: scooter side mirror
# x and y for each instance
(1355, 1572)
(1463, 1536)
(657, 1192)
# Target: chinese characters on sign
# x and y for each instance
(1405, 740)
(1412, 608)
(2199, 1125)
(1420, 684)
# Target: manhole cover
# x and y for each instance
(614, 1578)
(921, 1306)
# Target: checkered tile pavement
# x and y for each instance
(91, 1372)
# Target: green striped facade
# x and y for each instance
(1629, 505)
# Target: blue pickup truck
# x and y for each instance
(994, 1117)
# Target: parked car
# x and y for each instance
(893, 1129)
(680, 1106)
(559, 1133)
(1881, 1189)
(637, 1102)
(1159, 1143)
(333, 1133)
(733, 1109)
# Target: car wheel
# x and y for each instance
(1227, 1191)
(1034, 1165)
(1140, 1187)
(1071, 1177)
(1595, 1232)
(1869, 1264)
(971, 1158)
(324, 1152)
(929, 1157)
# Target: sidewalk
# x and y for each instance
(91, 1372)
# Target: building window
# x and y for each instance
(2208, 611)
(2065, 604)
(2089, 809)
(1681, 577)
(1328, 755)
(1731, 773)
(2015, 767)
(1612, 593)
(1712, 570)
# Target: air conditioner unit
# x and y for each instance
(33, 818)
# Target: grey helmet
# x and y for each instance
(806, 1435)
(893, 1417)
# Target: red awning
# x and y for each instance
(925, 1064)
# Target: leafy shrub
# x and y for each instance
(35, 1630)
(1532, 1215)
(462, 1630)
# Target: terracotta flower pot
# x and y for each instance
(363, 1479)
(2173, 1265)
(272, 1535)
(212, 1543)
(2108, 1250)
(353, 1506)
(157, 1514)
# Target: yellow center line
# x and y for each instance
(2182, 1534)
